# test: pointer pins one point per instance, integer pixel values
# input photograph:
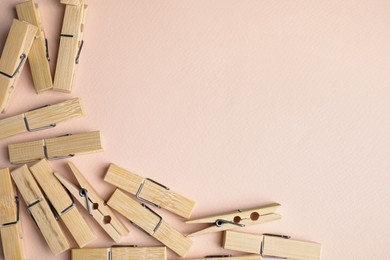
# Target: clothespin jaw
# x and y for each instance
(149, 191)
(10, 226)
(120, 253)
(39, 210)
(39, 53)
(13, 58)
(239, 218)
(274, 246)
(63, 203)
(150, 222)
(41, 118)
(86, 195)
(55, 148)
(71, 44)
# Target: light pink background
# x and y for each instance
(234, 104)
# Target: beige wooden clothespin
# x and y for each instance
(150, 222)
(236, 219)
(63, 203)
(149, 191)
(71, 44)
(274, 246)
(42, 118)
(15, 52)
(39, 53)
(229, 257)
(10, 226)
(120, 253)
(55, 148)
(96, 207)
(39, 210)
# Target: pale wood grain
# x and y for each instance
(56, 147)
(39, 64)
(71, 2)
(100, 203)
(41, 117)
(90, 254)
(272, 246)
(243, 242)
(8, 209)
(243, 257)
(19, 41)
(150, 191)
(121, 253)
(96, 214)
(72, 28)
(291, 249)
(41, 211)
(11, 234)
(12, 241)
(243, 217)
(148, 222)
(61, 200)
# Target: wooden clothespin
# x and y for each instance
(149, 191)
(39, 210)
(96, 207)
(71, 44)
(63, 203)
(10, 226)
(240, 218)
(13, 58)
(42, 118)
(229, 257)
(120, 253)
(39, 53)
(274, 246)
(150, 222)
(55, 148)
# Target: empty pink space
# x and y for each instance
(234, 104)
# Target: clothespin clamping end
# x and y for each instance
(40, 211)
(272, 246)
(39, 53)
(55, 148)
(10, 226)
(63, 203)
(236, 219)
(96, 207)
(71, 44)
(13, 58)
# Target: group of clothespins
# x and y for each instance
(50, 197)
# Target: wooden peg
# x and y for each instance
(275, 246)
(71, 44)
(13, 58)
(149, 221)
(149, 191)
(40, 210)
(41, 118)
(63, 203)
(120, 253)
(55, 148)
(237, 219)
(96, 207)
(10, 226)
(39, 53)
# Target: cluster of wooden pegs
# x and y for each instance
(50, 197)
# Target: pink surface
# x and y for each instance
(234, 104)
